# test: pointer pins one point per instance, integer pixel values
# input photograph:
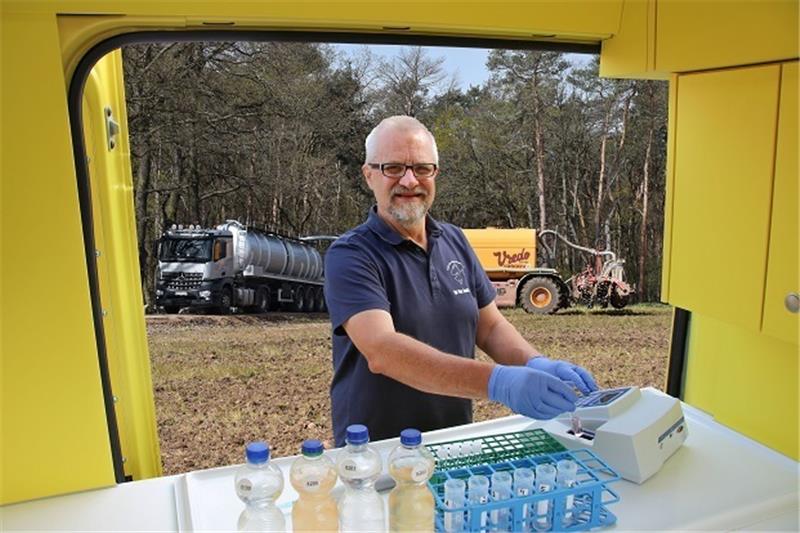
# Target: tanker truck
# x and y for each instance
(509, 258)
(232, 265)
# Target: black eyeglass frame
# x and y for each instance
(381, 166)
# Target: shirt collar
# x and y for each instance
(388, 234)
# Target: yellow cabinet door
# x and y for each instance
(703, 35)
(722, 187)
(783, 270)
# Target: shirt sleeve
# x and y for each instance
(353, 284)
(484, 291)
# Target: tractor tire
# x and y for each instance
(540, 296)
(298, 304)
(172, 309)
(617, 300)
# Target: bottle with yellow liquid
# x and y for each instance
(411, 506)
(313, 476)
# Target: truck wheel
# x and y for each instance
(618, 301)
(319, 306)
(225, 301)
(172, 309)
(310, 300)
(298, 304)
(540, 296)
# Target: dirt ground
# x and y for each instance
(221, 381)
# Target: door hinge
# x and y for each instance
(112, 128)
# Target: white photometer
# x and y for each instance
(634, 430)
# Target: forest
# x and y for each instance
(272, 134)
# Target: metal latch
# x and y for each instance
(112, 128)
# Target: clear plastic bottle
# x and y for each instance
(313, 476)
(358, 466)
(411, 505)
(258, 484)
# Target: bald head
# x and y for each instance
(402, 124)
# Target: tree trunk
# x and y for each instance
(537, 136)
(641, 288)
(601, 175)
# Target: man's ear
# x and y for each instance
(365, 170)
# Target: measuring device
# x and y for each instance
(634, 430)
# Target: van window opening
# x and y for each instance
(200, 250)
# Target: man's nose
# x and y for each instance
(409, 180)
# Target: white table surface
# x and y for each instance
(718, 480)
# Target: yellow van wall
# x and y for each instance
(746, 380)
(54, 433)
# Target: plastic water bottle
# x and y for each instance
(358, 466)
(258, 484)
(411, 506)
(313, 476)
(545, 482)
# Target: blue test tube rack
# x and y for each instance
(589, 497)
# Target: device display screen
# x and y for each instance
(602, 397)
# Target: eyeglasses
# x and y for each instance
(422, 171)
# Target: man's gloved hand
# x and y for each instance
(566, 372)
(530, 392)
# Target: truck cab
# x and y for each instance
(195, 269)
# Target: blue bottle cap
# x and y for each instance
(410, 437)
(357, 434)
(312, 447)
(257, 452)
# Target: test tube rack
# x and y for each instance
(548, 511)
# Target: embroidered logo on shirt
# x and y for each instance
(456, 269)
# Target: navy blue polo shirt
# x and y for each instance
(433, 296)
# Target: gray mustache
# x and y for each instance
(403, 190)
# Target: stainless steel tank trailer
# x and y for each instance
(235, 266)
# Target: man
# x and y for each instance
(409, 302)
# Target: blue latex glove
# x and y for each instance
(530, 392)
(566, 372)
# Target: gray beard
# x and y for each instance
(408, 215)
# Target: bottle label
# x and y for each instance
(245, 486)
(420, 472)
(349, 466)
(312, 484)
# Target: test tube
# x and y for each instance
(454, 490)
(545, 482)
(523, 486)
(501, 490)
(566, 478)
(478, 493)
